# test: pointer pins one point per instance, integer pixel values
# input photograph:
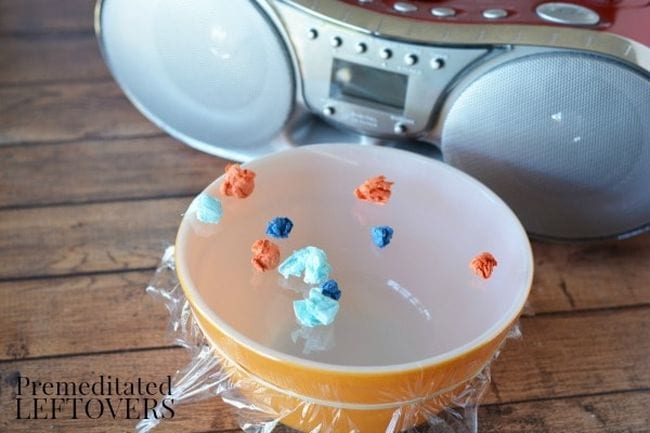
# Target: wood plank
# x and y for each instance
(563, 355)
(87, 238)
(52, 317)
(104, 170)
(596, 412)
(624, 412)
(600, 351)
(111, 300)
(37, 60)
(591, 275)
(128, 235)
(60, 112)
(33, 16)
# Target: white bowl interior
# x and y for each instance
(411, 301)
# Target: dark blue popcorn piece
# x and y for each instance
(381, 235)
(279, 227)
(330, 288)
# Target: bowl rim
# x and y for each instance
(192, 293)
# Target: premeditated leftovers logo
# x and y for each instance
(106, 397)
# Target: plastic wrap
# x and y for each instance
(262, 407)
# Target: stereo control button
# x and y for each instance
(405, 7)
(312, 34)
(400, 128)
(443, 12)
(336, 41)
(567, 13)
(437, 63)
(329, 110)
(360, 48)
(410, 59)
(495, 14)
(385, 53)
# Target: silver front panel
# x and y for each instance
(320, 44)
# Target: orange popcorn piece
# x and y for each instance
(239, 182)
(375, 190)
(483, 265)
(266, 255)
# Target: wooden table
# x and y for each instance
(91, 193)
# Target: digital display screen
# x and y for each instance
(363, 83)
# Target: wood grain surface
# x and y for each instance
(104, 170)
(65, 112)
(66, 59)
(46, 17)
(91, 193)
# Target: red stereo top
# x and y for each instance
(627, 18)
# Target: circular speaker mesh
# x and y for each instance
(563, 138)
(213, 73)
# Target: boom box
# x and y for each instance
(547, 103)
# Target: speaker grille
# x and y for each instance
(215, 74)
(563, 138)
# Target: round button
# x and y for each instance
(312, 34)
(405, 7)
(336, 41)
(385, 53)
(443, 12)
(567, 13)
(329, 110)
(437, 63)
(495, 14)
(410, 59)
(400, 128)
(361, 48)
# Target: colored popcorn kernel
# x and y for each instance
(381, 235)
(266, 255)
(311, 261)
(208, 209)
(279, 227)
(239, 182)
(316, 310)
(330, 288)
(375, 190)
(483, 264)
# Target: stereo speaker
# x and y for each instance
(564, 138)
(207, 71)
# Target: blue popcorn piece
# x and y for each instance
(208, 209)
(279, 227)
(316, 310)
(310, 261)
(381, 235)
(330, 288)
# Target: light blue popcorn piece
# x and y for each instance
(302, 310)
(325, 308)
(317, 267)
(293, 265)
(316, 310)
(311, 261)
(208, 209)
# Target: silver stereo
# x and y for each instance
(548, 106)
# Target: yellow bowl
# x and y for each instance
(415, 323)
